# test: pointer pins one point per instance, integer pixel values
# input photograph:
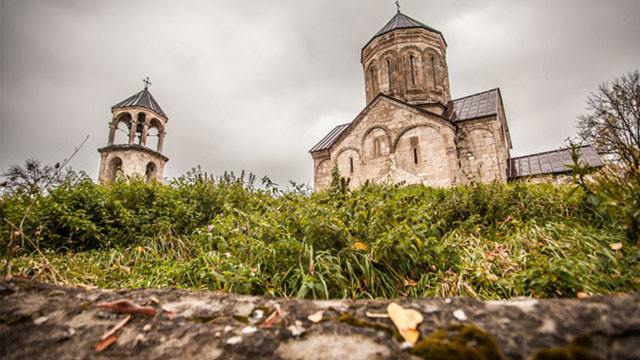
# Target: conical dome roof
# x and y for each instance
(402, 21)
(143, 99)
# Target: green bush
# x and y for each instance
(486, 241)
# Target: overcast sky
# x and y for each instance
(254, 84)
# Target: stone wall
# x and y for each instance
(133, 160)
(48, 322)
(483, 150)
(392, 142)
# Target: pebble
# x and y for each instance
(297, 329)
(234, 340)
(41, 320)
(147, 327)
(460, 315)
(249, 330)
(69, 333)
(138, 340)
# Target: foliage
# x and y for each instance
(612, 123)
(612, 193)
(34, 178)
(487, 241)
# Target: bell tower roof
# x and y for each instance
(402, 21)
(143, 99)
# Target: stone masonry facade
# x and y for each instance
(411, 131)
(139, 120)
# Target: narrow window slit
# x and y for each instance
(413, 76)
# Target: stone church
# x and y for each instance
(412, 132)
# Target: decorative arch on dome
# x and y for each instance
(433, 61)
(373, 84)
(412, 65)
(389, 60)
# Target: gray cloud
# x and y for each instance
(254, 84)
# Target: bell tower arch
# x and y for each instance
(136, 139)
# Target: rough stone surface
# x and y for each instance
(404, 137)
(49, 322)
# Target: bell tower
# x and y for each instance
(406, 59)
(136, 137)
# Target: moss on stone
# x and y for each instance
(347, 318)
(458, 342)
(578, 349)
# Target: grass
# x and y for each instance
(486, 241)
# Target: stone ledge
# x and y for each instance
(49, 322)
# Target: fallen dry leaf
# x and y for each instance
(406, 320)
(409, 282)
(616, 246)
(125, 306)
(582, 295)
(104, 344)
(271, 319)
(358, 245)
(316, 317)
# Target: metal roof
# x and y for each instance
(402, 21)
(330, 138)
(473, 106)
(143, 99)
(550, 162)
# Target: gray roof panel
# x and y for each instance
(143, 99)
(473, 106)
(402, 21)
(330, 138)
(550, 162)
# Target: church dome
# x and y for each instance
(402, 21)
(406, 59)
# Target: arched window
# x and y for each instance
(412, 69)
(150, 172)
(114, 168)
(153, 134)
(351, 164)
(374, 85)
(121, 131)
(377, 148)
(433, 71)
(389, 74)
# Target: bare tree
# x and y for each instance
(612, 123)
(32, 178)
